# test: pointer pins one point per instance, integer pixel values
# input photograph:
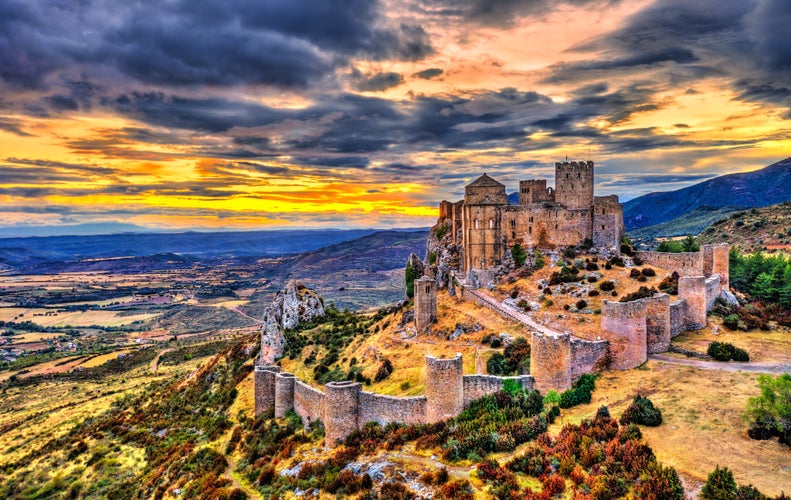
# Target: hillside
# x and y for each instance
(690, 223)
(759, 188)
(766, 228)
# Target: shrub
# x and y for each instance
(580, 393)
(770, 412)
(593, 293)
(637, 261)
(581, 304)
(720, 485)
(606, 286)
(724, 351)
(495, 365)
(519, 254)
(592, 279)
(384, 371)
(635, 273)
(458, 489)
(659, 482)
(669, 284)
(642, 412)
(591, 266)
(642, 293)
(647, 271)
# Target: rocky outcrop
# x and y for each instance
(442, 255)
(295, 304)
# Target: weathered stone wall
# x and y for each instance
(693, 290)
(476, 386)
(587, 356)
(540, 225)
(425, 303)
(657, 323)
(685, 263)
(308, 402)
(535, 191)
(284, 394)
(482, 239)
(264, 388)
(623, 324)
(386, 409)
(607, 221)
(550, 360)
(444, 388)
(712, 291)
(341, 410)
(678, 317)
(716, 262)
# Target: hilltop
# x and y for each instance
(760, 188)
(767, 228)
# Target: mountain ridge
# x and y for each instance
(758, 188)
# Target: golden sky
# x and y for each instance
(247, 114)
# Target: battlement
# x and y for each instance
(574, 164)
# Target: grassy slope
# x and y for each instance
(754, 229)
(691, 223)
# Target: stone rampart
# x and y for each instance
(712, 291)
(693, 290)
(678, 317)
(550, 360)
(685, 263)
(657, 323)
(386, 409)
(308, 402)
(476, 386)
(341, 410)
(623, 324)
(284, 394)
(716, 262)
(588, 356)
(264, 388)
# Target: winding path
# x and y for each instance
(771, 368)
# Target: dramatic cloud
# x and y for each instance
(241, 113)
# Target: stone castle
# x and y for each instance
(478, 232)
(486, 226)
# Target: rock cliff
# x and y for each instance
(293, 305)
(442, 255)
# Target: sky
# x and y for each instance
(258, 114)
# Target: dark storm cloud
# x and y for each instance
(572, 71)
(428, 74)
(498, 13)
(290, 43)
(379, 82)
(13, 126)
(354, 162)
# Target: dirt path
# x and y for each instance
(155, 361)
(239, 311)
(724, 366)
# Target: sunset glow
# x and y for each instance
(334, 113)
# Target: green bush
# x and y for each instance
(642, 412)
(519, 254)
(495, 365)
(606, 286)
(580, 393)
(723, 351)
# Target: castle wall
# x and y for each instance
(264, 388)
(678, 317)
(550, 360)
(574, 184)
(657, 323)
(712, 291)
(623, 324)
(535, 191)
(386, 409)
(444, 388)
(476, 386)
(308, 402)
(284, 394)
(685, 263)
(587, 356)
(482, 238)
(545, 225)
(693, 290)
(341, 410)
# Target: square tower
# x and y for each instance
(574, 184)
(425, 303)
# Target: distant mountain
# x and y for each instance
(690, 223)
(24, 252)
(73, 230)
(759, 188)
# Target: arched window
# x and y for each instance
(476, 223)
(491, 223)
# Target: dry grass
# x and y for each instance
(773, 346)
(703, 424)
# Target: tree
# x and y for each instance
(719, 486)
(772, 409)
(519, 254)
(410, 275)
(670, 246)
(690, 244)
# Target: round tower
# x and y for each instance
(444, 388)
(693, 290)
(284, 394)
(623, 324)
(550, 360)
(341, 410)
(264, 388)
(657, 323)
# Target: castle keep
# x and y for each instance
(544, 217)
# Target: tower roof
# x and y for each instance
(485, 181)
